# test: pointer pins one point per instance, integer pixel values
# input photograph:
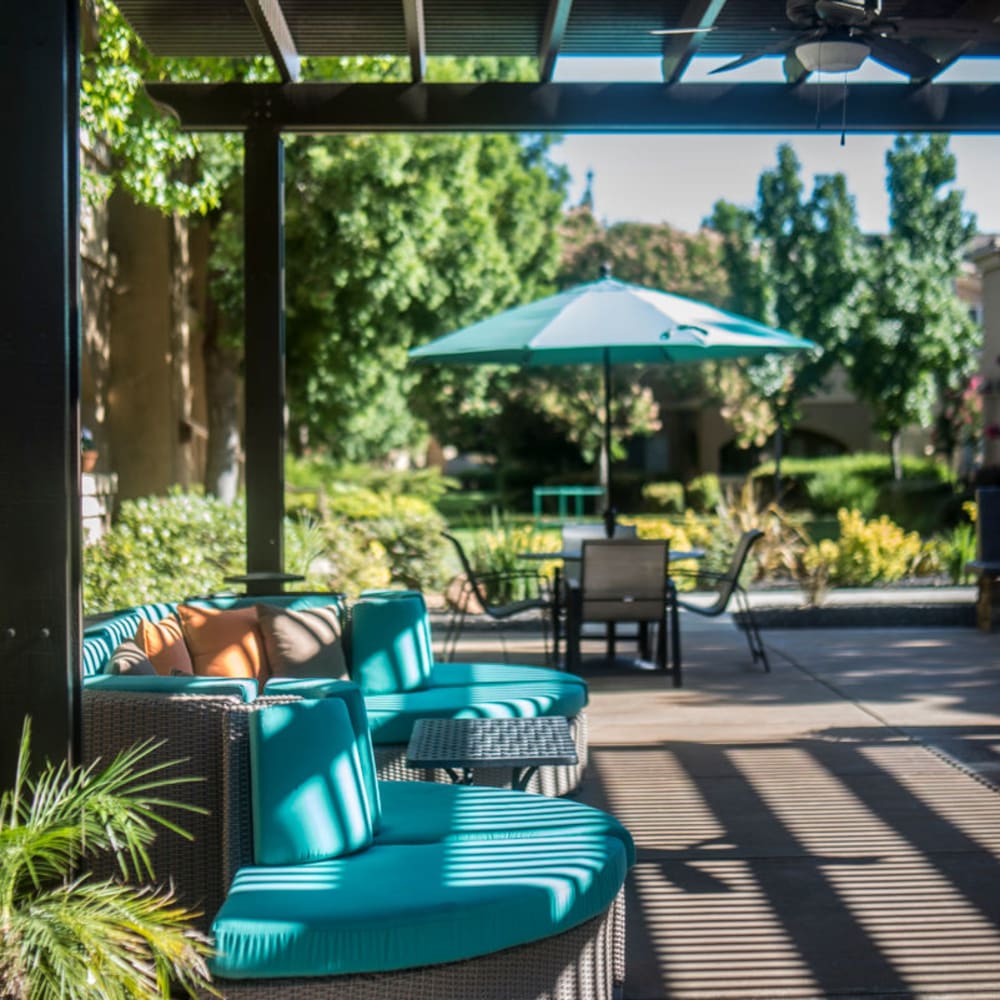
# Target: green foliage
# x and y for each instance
(66, 934)
(164, 548)
(145, 150)
(665, 497)
(494, 555)
(170, 547)
(912, 341)
(868, 552)
(704, 493)
(854, 482)
(960, 546)
(792, 262)
(391, 240)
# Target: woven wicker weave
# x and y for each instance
(580, 964)
(390, 760)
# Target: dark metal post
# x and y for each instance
(264, 279)
(40, 603)
(609, 508)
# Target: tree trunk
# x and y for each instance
(896, 454)
(222, 385)
(779, 449)
(181, 276)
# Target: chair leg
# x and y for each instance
(609, 630)
(675, 634)
(754, 641)
(644, 640)
(452, 634)
(661, 642)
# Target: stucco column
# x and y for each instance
(988, 262)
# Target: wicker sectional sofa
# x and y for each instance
(432, 689)
(457, 892)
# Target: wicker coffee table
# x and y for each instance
(459, 746)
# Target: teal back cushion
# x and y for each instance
(350, 695)
(391, 643)
(307, 787)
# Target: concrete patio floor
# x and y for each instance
(830, 829)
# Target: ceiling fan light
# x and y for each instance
(839, 56)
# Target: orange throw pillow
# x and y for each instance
(224, 643)
(163, 643)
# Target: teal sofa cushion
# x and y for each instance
(397, 907)
(237, 687)
(419, 812)
(458, 674)
(306, 786)
(391, 716)
(350, 695)
(390, 643)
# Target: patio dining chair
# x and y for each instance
(475, 592)
(623, 580)
(728, 588)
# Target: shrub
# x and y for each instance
(164, 548)
(960, 547)
(876, 551)
(830, 490)
(667, 498)
(852, 482)
(172, 547)
(703, 493)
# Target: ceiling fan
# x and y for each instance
(837, 36)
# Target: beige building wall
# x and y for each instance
(988, 262)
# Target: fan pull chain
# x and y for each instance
(843, 119)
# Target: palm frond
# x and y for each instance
(65, 935)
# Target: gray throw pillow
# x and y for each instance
(130, 658)
(303, 643)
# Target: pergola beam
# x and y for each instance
(679, 50)
(583, 107)
(416, 43)
(556, 19)
(271, 23)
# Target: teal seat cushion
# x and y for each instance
(307, 790)
(391, 716)
(350, 694)
(456, 674)
(419, 812)
(390, 643)
(399, 907)
(244, 688)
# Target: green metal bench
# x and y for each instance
(563, 495)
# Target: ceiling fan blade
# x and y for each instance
(793, 69)
(777, 49)
(964, 29)
(681, 31)
(903, 58)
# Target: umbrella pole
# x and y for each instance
(609, 510)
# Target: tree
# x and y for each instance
(793, 262)
(392, 240)
(182, 175)
(914, 342)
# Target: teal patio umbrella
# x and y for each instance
(609, 322)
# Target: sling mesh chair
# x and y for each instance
(623, 580)
(727, 586)
(473, 593)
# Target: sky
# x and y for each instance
(678, 178)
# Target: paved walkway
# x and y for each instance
(830, 829)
